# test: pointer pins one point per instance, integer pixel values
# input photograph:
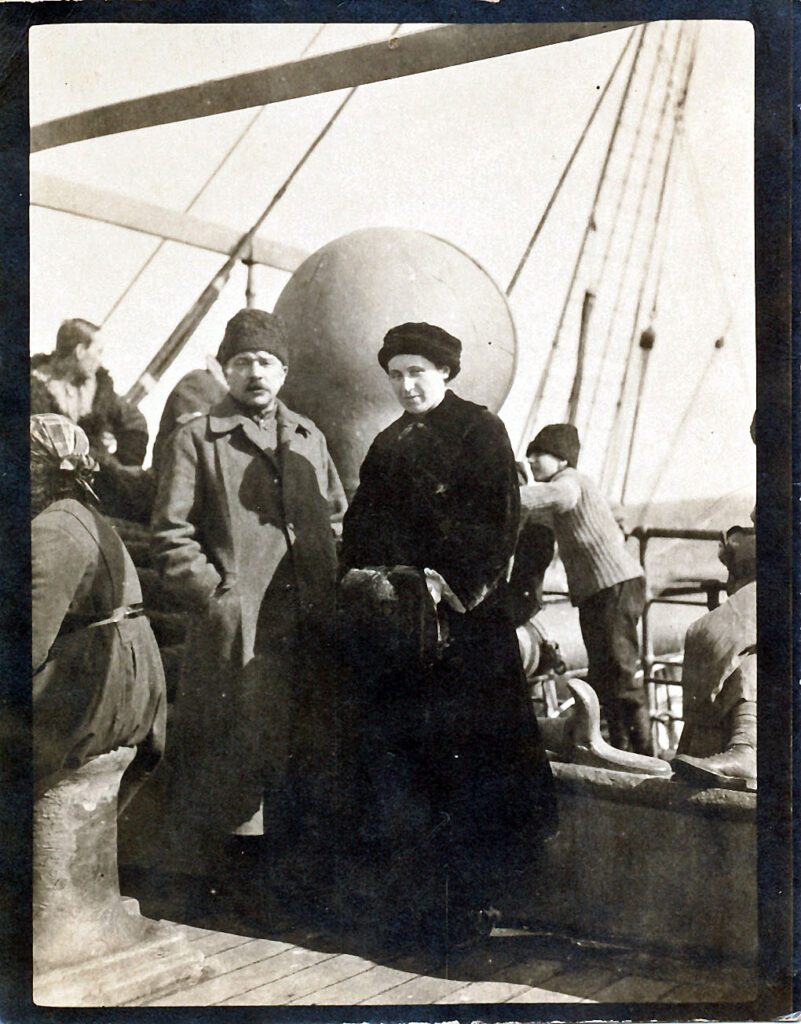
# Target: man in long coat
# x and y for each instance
(243, 537)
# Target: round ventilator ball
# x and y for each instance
(341, 301)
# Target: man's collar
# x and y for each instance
(229, 414)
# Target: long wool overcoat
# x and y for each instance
(243, 538)
(451, 763)
(95, 687)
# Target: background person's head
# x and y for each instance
(254, 355)
(737, 551)
(60, 463)
(419, 360)
(80, 342)
(554, 448)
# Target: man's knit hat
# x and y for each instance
(559, 439)
(253, 330)
(422, 340)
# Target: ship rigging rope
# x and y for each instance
(644, 112)
(201, 191)
(677, 132)
(613, 445)
(714, 256)
(189, 322)
(590, 223)
(566, 169)
(677, 433)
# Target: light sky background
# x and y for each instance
(470, 154)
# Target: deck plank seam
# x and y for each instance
(280, 977)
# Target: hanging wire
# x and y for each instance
(617, 222)
(708, 230)
(567, 167)
(677, 128)
(589, 227)
(189, 322)
(201, 191)
(623, 192)
(677, 433)
(611, 456)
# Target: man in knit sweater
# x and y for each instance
(605, 582)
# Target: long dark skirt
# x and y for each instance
(452, 793)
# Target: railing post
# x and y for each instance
(646, 648)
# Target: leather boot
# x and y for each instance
(733, 767)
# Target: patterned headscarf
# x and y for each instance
(59, 458)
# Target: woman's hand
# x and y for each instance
(440, 591)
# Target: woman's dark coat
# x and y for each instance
(98, 688)
(451, 764)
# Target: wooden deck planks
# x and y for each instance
(302, 983)
(357, 989)
(710, 992)
(635, 988)
(239, 992)
(581, 982)
(234, 970)
(483, 992)
(420, 990)
(513, 968)
(544, 995)
(217, 942)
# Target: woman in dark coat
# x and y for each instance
(98, 682)
(454, 789)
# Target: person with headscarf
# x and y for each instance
(453, 794)
(243, 539)
(98, 682)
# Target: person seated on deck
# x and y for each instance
(718, 742)
(71, 382)
(605, 581)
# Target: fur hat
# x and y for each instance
(559, 439)
(422, 340)
(253, 330)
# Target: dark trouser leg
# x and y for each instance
(738, 758)
(609, 628)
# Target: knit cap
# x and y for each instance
(253, 330)
(559, 439)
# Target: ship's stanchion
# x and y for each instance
(91, 947)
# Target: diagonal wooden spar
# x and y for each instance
(98, 204)
(412, 54)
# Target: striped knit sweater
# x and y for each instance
(591, 544)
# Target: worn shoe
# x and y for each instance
(733, 768)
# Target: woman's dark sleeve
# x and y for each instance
(365, 524)
(479, 528)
